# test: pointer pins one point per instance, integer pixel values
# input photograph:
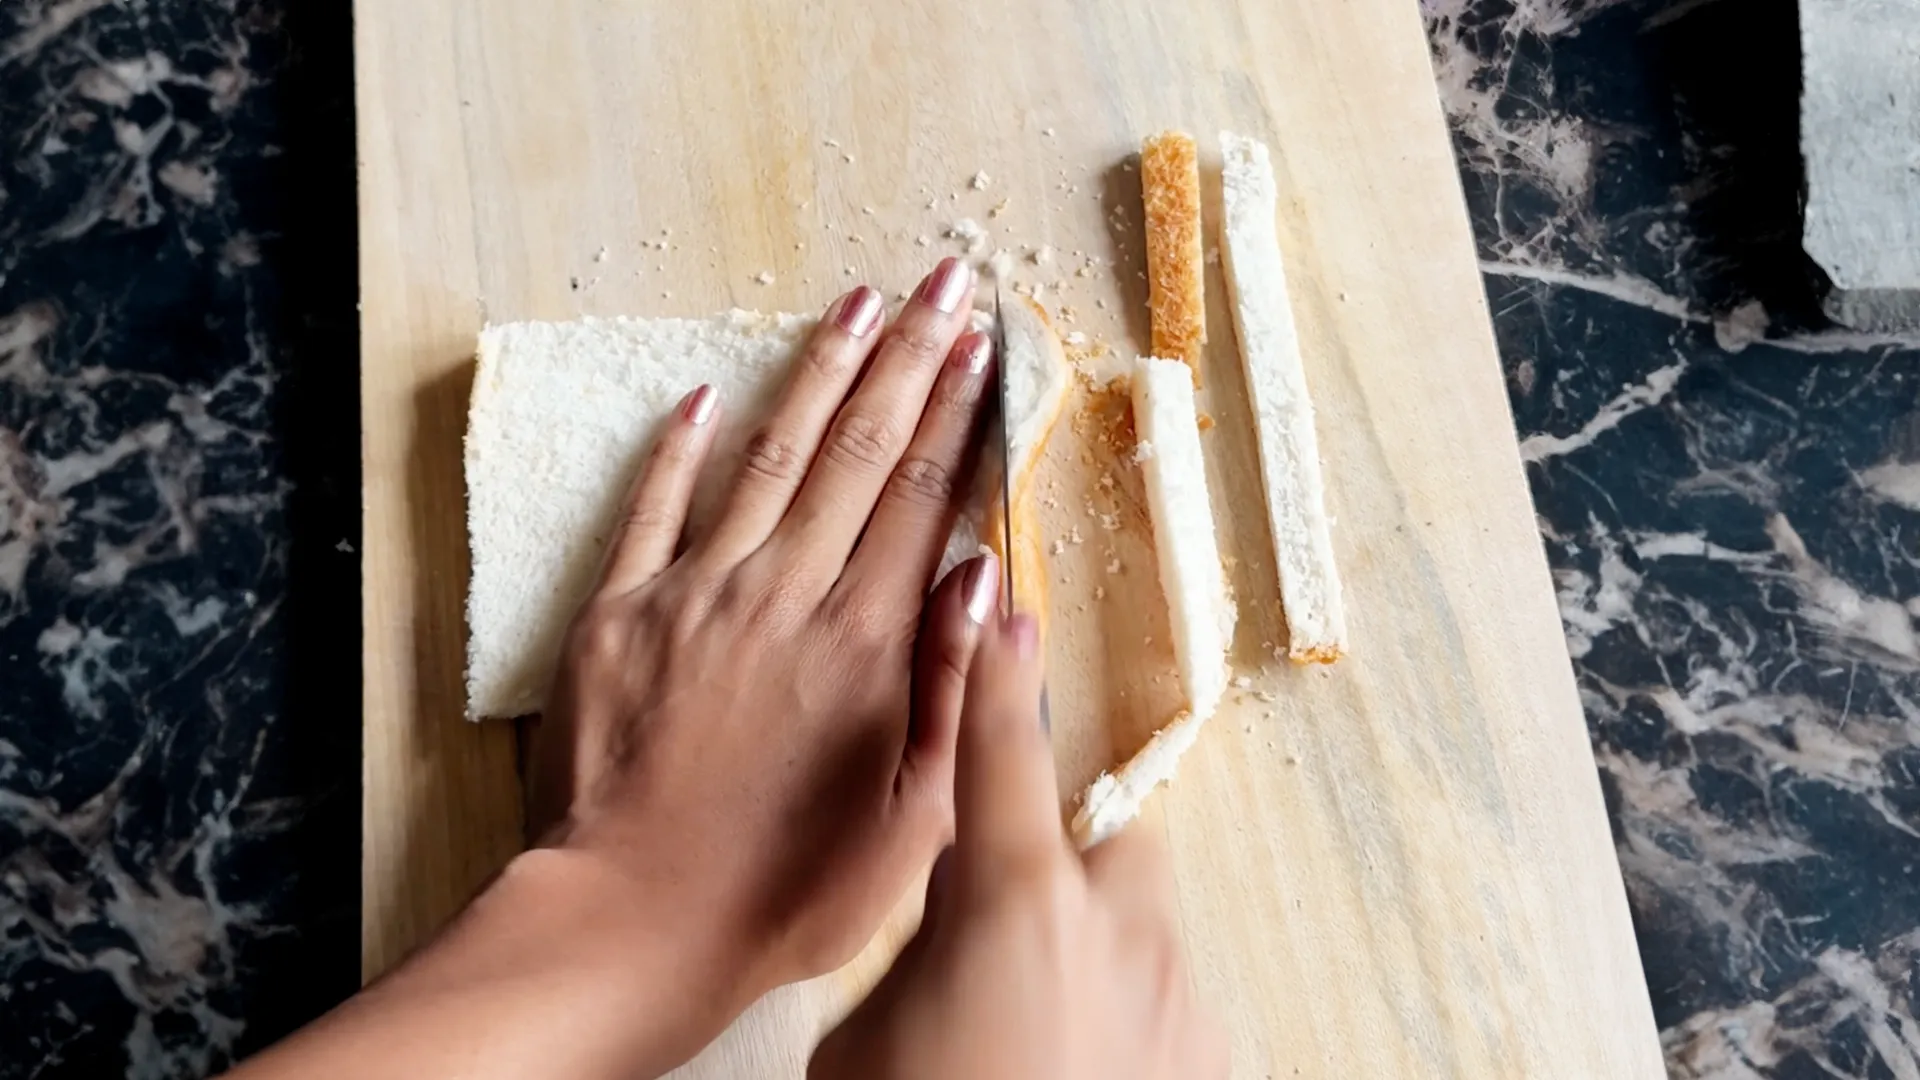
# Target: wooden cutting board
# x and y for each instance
(1399, 866)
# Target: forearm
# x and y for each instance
(555, 970)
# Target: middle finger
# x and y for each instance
(873, 428)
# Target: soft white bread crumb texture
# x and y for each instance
(561, 416)
(1191, 576)
(1115, 798)
(1283, 413)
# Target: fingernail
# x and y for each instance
(982, 588)
(697, 407)
(972, 355)
(860, 312)
(946, 285)
(1024, 631)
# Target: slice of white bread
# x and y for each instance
(1283, 413)
(560, 417)
(1199, 610)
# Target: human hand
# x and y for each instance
(1033, 961)
(729, 727)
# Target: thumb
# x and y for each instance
(959, 607)
(1007, 807)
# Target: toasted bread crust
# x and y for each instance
(1170, 188)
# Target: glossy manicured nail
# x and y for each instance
(946, 285)
(697, 407)
(981, 588)
(972, 354)
(860, 312)
(1024, 631)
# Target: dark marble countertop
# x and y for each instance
(1728, 490)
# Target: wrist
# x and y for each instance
(606, 957)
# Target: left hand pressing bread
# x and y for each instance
(748, 750)
(729, 730)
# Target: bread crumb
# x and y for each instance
(1113, 566)
(1242, 682)
(856, 238)
(764, 277)
(1100, 302)
(1099, 592)
(849, 271)
(999, 208)
(969, 232)
(1048, 132)
(666, 294)
(902, 294)
(980, 181)
(1059, 546)
(848, 158)
(1142, 450)
(1343, 292)
(1075, 337)
(1041, 255)
(601, 256)
(1001, 265)
(1204, 422)
(799, 245)
(833, 143)
(1149, 641)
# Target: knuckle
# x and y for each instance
(830, 359)
(921, 342)
(863, 440)
(770, 457)
(923, 482)
(861, 616)
(645, 518)
(601, 635)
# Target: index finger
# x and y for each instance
(1006, 804)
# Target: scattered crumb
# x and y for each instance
(1041, 255)
(931, 203)
(1048, 132)
(666, 294)
(1205, 422)
(1001, 265)
(1099, 592)
(1075, 337)
(856, 238)
(849, 271)
(1213, 255)
(1343, 292)
(834, 143)
(1074, 536)
(573, 282)
(799, 245)
(867, 210)
(923, 240)
(764, 277)
(601, 256)
(1242, 682)
(1113, 566)
(969, 232)
(1142, 450)
(1059, 546)
(1101, 303)
(1149, 640)
(902, 294)
(1000, 208)
(980, 181)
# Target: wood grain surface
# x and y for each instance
(1399, 866)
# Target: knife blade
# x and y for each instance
(1007, 593)
(1006, 453)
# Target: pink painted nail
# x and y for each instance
(1024, 630)
(697, 407)
(860, 312)
(982, 587)
(946, 285)
(973, 354)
